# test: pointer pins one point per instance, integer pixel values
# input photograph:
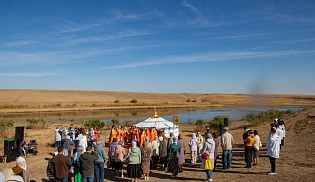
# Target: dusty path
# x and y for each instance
(296, 161)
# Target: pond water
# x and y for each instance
(233, 113)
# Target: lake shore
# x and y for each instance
(24, 101)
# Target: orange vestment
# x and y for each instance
(142, 138)
(113, 134)
(95, 134)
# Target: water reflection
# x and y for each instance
(234, 113)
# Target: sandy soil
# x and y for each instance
(71, 100)
(296, 161)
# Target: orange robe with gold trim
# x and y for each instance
(142, 138)
(113, 134)
(124, 135)
(96, 133)
(149, 134)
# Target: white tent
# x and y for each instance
(159, 123)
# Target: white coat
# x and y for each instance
(273, 146)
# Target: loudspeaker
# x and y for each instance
(221, 129)
(19, 134)
(226, 122)
(11, 155)
(10, 145)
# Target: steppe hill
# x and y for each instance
(19, 100)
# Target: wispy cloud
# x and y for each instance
(191, 7)
(294, 41)
(19, 43)
(29, 74)
(218, 56)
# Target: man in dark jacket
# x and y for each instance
(60, 166)
(86, 164)
(99, 163)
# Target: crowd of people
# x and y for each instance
(82, 155)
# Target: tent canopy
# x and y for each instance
(159, 123)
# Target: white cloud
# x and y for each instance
(29, 74)
(19, 43)
(218, 56)
(191, 7)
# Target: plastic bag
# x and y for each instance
(208, 164)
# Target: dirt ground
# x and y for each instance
(296, 162)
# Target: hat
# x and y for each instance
(226, 128)
(120, 142)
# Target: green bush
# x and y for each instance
(200, 122)
(217, 121)
(94, 122)
(116, 101)
(115, 121)
(194, 101)
(266, 116)
(134, 113)
(188, 100)
(134, 101)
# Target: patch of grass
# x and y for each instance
(4, 127)
(134, 113)
(194, 101)
(188, 100)
(36, 123)
(11, 106)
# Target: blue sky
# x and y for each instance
(159, 46)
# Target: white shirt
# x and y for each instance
(273, 146)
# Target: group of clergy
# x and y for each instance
(133, 133)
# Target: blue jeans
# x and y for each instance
(99, 167)
(57, 143)
(209, 174)
(88, 179)
(227, 159)
(62, 180)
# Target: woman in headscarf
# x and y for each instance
(134, 167)
(57, 137)
(92, 133)
(162, 151)
(63, 135)
(100, 138)
(155, 152)
(216, 152)
(119, 155)
(169, 142)
(193, 143)
(181, 159)
(145, 160)
(68, 145)
(77, 174)
(173, 154)
(22, 170)
(83, 143)
(208, 148)
(111, 153)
